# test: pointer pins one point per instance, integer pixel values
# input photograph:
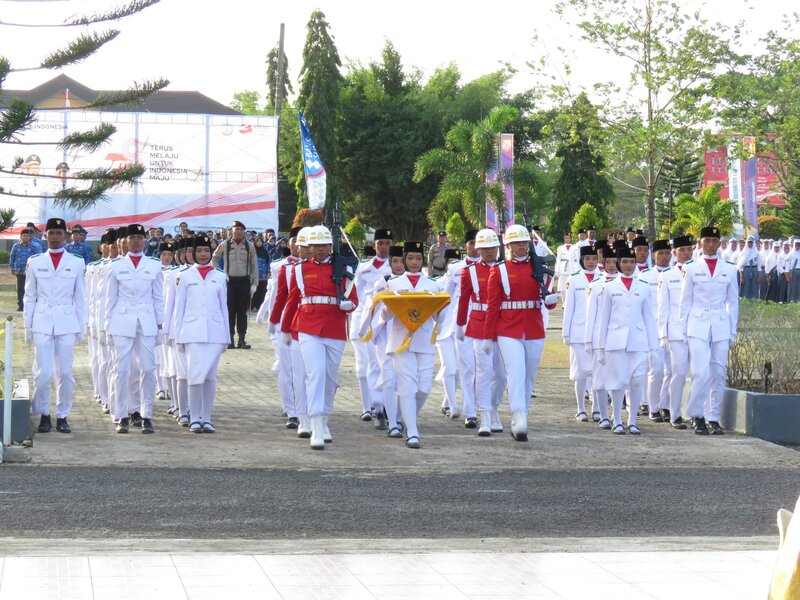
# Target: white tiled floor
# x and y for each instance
(476, 576)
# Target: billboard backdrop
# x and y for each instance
(203, 169)
(506, 161)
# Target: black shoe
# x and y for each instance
(45, 424)
(678, 423)
(243, 345)
(63, 426)
(147, 426)
(656, 417)
(136, 419)
(471, 422)
(366, 416)
(700, 427)
(665, 415)
(716, 429)
(292, 423)
(382, 423)
(231, 346)
(122, 427)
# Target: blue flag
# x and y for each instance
(313, 167)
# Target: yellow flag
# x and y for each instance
(412, 309)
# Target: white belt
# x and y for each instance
(479, 306)
(520, 304)
(320, 300)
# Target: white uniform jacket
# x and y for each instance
(591, 331)
(55, 301)
(575, 300)
(272, 288)
(169, 300)
(367, 274)
(669, 304)
(397, 332)
(135, 296)
(650, 277)
(201, 307)
(625, 318)
(709, 305)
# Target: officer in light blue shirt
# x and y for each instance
(79, 246)
(18, 260)
(37, 241)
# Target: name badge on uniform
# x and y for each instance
(124, 272)
(616, 295)
(41, 270)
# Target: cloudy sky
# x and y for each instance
(219, 48)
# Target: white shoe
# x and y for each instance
(317, 439)
(304, 427)
(161, 395)
(519, 426)
(454, 414)
(326, 432)
(485, 429)
(497, 424)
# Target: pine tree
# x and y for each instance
(87, 187)
(318, 98)
(272, 79)
(679, 175)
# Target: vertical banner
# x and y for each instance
(749, 197)
(735, 185)
(313, 167)
(504, 163)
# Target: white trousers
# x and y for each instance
(284, 372)
(321, 357)
(521, 360)
(679, 363)
(124, 350)
(53, 358)
(94, 363)
(657, 394)
(490, 377)
(414, 372)
(105, 377)
(466, 375)
(366, 371)
(708, 363)
(449, 369)
(387, 381)
(299, 392)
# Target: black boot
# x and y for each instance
(45, 424)
(700, 427)
(243, 345)
(63, 426)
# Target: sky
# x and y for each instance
(219, 48)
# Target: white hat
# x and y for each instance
(516, 233)
(776, 244)
(302, 236)
(486, 238)
(320, 235)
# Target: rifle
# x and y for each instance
(341, 257)
(539, 264)
(501, 228)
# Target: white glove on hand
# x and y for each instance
(460, 333)
(664, 342)
(587, 346)
(28, 336)
(601, 357)
(180, 347)
(159, 339)
(272, 328)
(552, 298)
(102, 338)
(253, 289)
(165, 336)
(110, 340)
(346, 306)
(566, 339)
(260, 318)
(486, 346)
(286, 338)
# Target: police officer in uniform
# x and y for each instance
(18, 261)
(54, 315)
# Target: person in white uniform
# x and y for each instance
(203, 334)
(564, 264)
(709, 317)
(627, 335)
(133, 316)
(446, 334)
(670, 334)
(54, 313)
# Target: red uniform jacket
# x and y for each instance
(519, 323)
(324, 320)
(477, 318)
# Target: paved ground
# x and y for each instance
(254, 479)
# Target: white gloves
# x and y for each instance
(346, 306)
(460, 332)
(110, 340)
(253, 289)
(601, 357)
(102, 338)
(587, 346)
(552, 298)
(28, 336)
(286, 338)
(165, 337)
(180, 347)
(566, 339)
(664, 342)
(260, 318)
(272, 328)
(486, 346)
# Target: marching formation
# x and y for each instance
(637, 320)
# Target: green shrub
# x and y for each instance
(767, 334)
(4, 256)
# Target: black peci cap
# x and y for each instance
(620, 244)
(588, 251)
(681, 241)
(55, 223)
(451, 254)
(165, 247)
(413, 247)
(383, 234)
(470, 235)
(238, 224)
(661, 245)
(136, 229)
(396, 251)
(709, 232)
(368, 252)
(640, 241)
(201, 241)
(294, 231)
(122, 232)
(625, 252)
(601, 245)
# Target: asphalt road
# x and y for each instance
(362, 503)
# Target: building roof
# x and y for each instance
(53, 94)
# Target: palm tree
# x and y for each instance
(692, 213)
(465, 164)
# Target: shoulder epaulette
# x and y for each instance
(218, 269)
(665, 270)
(688, 262)
(185, 267)
(116, 259)
(154, 258)
(387, 277)
(730, 262)
(363, 260)
(645, 270)
(436, 279)
(393, 277)
(499, 262)
(575, 273)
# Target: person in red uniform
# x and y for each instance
(470, 320)
(514, 321)
(315, 311)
